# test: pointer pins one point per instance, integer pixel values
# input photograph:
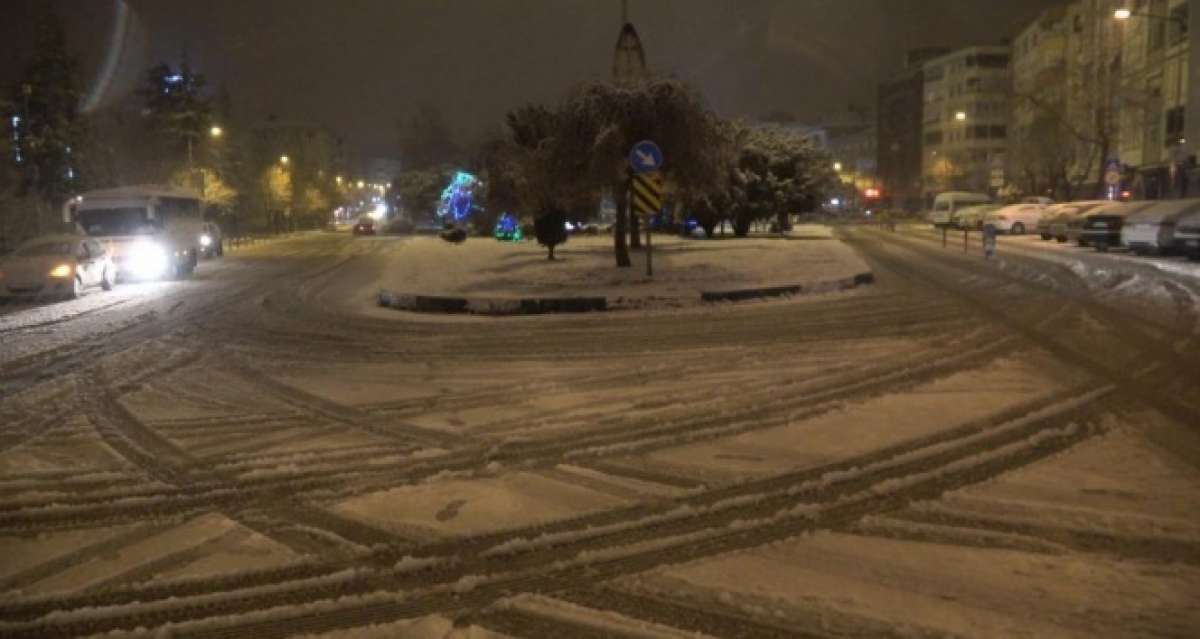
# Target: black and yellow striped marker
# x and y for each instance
(646, 192)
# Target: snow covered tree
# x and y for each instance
(420, 190)
(598, 123)
(777, 172)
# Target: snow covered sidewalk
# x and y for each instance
(809, 258)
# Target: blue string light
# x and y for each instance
(456, 198)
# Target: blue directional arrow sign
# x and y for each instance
(645, 157)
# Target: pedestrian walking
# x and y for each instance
(989, 241)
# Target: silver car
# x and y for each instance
(58, 266)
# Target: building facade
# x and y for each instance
(1039, 154)
(965, 120)
(1153, 98)
(898, 145)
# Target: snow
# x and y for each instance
(861, 427)
(609, 623)
(431, 627)
(921, 588)
(21, 553)
(97, 570)
(76, 447)
(584, 267)
(1153, 494)
(467, 507)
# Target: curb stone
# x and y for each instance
(735, 295)
(497, 306)
(490, 306)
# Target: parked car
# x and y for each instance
(57, 265)
(1054, 220)
(1037, 199)
(365, 226)
(1152, 230)
(947, 205)
(211, 244)
(972, 217)
(1100, 227)
(1187, 235)
(1016, 219)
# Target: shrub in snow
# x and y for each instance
(551, 230)
(454, 235)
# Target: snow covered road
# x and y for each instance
(966, 448)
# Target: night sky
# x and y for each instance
(358, 65)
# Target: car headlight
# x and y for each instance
(206, 240)
(62, 270)
(147, 259)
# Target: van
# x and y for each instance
(1152, 230)
(947, 204)
(151, 231)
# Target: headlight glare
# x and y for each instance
(62, 270)
(147, 260)
(206, 240)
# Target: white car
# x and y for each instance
(1152, 230)
(58, 266)
(1016, 219)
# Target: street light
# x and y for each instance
(837, 166)
(216, 131)
(961, 116)
(361, 184)
(1125, 14)
(338, 179)
(283, 159)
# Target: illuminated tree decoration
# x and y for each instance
(455, 205)
(508, 228)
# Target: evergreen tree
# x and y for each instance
(45, 101)
(175, 102)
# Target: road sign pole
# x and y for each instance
(649, 251)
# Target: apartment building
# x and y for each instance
(899, 144)
(965, 116)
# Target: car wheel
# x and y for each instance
(1017, 229)
(106, 282)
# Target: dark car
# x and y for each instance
(1100, 228)
(365, 226)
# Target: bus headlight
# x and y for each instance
(62, 270)
(206, 240)
(147, 260)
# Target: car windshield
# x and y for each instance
(117, 221)
(41, 249)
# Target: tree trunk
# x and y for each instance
(620, 251)
(781, 219)
(635, 231)
(550, 256)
